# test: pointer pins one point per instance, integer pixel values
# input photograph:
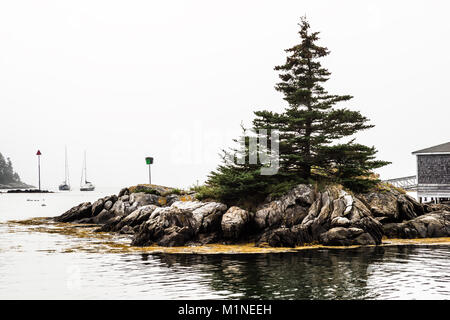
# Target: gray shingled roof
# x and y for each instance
(445, 147)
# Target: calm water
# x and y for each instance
(34, 266)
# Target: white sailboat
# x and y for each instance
(86, 186)
(65, 186)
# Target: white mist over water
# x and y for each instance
(129, 79)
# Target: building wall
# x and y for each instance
(433, 175)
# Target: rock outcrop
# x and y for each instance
(392, 206)
(88, 213)
(234, 222)
(289, 210)
(331, 217)
(432, 225)
(80, 212)
(180, 223)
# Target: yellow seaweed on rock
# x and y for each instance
(187, 198)
(32, 221)
(442, 240)
(162, 201)
(103, 242)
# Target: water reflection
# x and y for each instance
(316, 274)
(38, 266)
(312, 274)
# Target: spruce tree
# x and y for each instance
(311, 132)
(236, 180)
(310, 121)
(312, 126)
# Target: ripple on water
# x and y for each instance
(35, 265)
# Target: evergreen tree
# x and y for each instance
(235, 177)
(311, 131)
(7, 174)
(311, 122)
(351, 165)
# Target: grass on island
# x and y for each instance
(156, 189)
(162, 192)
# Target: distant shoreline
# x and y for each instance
(16, 185)
(26, 191)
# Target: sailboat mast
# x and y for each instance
(65, 165)
(67, 168)
(85, 170)
(82, 172)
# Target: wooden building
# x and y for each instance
(433, 173)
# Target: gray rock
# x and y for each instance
(175, 236)
(318, 219)
(123, 192)
(179, 223)
(340, 208)
(136, 218)
(430, 225)
(204, 238)
(141, 199)
(294, 215)
(97, 207)
(285, 237)
(85, 221)
(108, 205)
(83, 210)
(113, 198)
(125, 198)
(171, 199)
(296, 201)
(406, 208)
(206, 215)
(382, 204)
(430, 207)
(332, 209)
(340, 236)
(340, 222)
(392, 206)
(103, 217)
(234, 222)
(126, 230)
(121, 208)
(209, 216)
(281, 237)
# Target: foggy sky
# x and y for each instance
(174, 80)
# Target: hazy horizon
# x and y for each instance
(175, 79)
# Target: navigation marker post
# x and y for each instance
(149, 161)
(38, 153)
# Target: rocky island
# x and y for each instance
(306, 215)
(314, 184)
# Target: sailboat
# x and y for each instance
(86, 186)
(65, 186)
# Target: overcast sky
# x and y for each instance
(174, 80)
